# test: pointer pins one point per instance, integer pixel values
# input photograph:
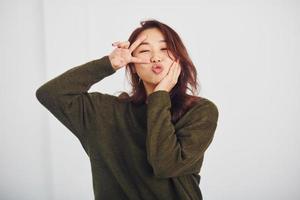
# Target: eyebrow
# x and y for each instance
(147, 43)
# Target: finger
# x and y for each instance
(118, 42)
(127, 45)
(115, 43)
(137, 43)
(174, 70)
(124, 45)
(121, 44)
(139, 60)
(171, 70)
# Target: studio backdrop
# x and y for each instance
(247, 59)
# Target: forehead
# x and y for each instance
(154, 35)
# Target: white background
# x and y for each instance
(247, 59)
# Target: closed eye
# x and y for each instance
(142, 51)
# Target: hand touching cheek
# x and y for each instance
(170, 80)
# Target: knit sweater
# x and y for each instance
(135, 151)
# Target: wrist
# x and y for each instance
(111, 63)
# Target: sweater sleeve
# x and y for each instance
(66, 96)
(171, 152)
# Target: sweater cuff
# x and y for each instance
(159, 98)
(105, 64)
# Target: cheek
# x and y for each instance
(143, 55)
(141, 69)
(169, 63)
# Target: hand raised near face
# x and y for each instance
(170, 80)
(122, 54)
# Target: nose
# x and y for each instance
(155, 58)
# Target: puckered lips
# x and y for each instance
(157, 68)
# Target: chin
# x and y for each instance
(156, 81)
(153, 82)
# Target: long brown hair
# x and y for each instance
(180, 100)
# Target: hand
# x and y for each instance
(122, 55)
(170, 80)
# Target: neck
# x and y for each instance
(149, 89)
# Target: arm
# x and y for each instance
(174, 153)
(66, 96)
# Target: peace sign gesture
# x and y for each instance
(122, 55)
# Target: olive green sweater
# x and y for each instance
(135, 151)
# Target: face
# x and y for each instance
(154, 49)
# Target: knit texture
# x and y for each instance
(135, 151)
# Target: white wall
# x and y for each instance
(245, 53)
(25, 167)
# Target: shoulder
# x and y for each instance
(103, 101)
(205, 110)
(208, 105)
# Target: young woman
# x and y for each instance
(147, 145)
